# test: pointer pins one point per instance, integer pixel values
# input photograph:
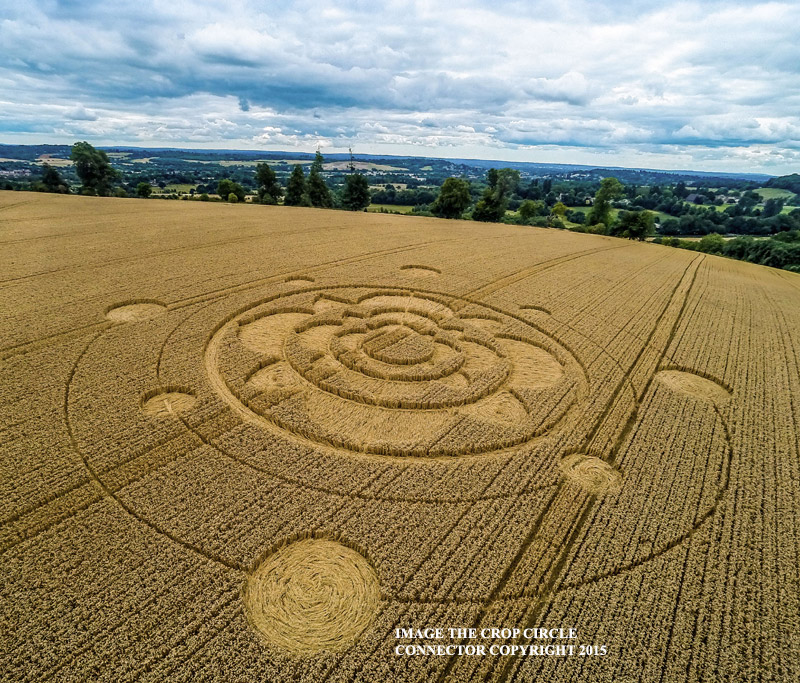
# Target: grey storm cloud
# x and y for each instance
(641, 81)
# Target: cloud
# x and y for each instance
(572, 88)
(686, 81)
(80, 113)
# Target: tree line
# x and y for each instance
(455, 200)
(98, 177)
(505, 198)
(778, 251)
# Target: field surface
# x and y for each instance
(249, 443)
(774, 193)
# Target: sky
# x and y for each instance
(676, 85)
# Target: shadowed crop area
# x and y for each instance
(250, 443)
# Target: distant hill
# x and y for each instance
(535, 168)
(434, 168)
(786, 182)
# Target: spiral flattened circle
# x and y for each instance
(591, 473)
(312, 595)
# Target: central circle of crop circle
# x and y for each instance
(398, 345)
(393, 373)
(386, 348)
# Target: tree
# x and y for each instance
(610, 188)
(556, 217)
(318, 192)
(494, 201)
(52, 181)
(227, 187)
(296, 194)
(93, 168)
(534, 192)
(355, 196)
(712, 243)
(529, 209)
(453, 198)
(508, 179)
(144, 190)
(772, 207)
(269, 189)
(575, 216)
(635, 225)
(233, 198)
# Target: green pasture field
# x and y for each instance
(774, 193)
(397, 208)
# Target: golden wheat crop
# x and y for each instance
(250, 443)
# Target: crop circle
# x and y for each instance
(167, 403)
(312, 595)
(591, 473)
(694, 385)
(135, 311)
(393, 372)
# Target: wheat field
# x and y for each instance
(246, 443)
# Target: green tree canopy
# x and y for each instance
(355, 196)
(453, 198)
(269, 189)
(144, 190)
(494, 201)
(635, 225)
(772, 207)
(227, 187)
(508, 180)
(318, 192)
(713, 243)
(316, 165)
(52, 180)
(93, 168)
(610, 189)
(530, 208)
(296, 194)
